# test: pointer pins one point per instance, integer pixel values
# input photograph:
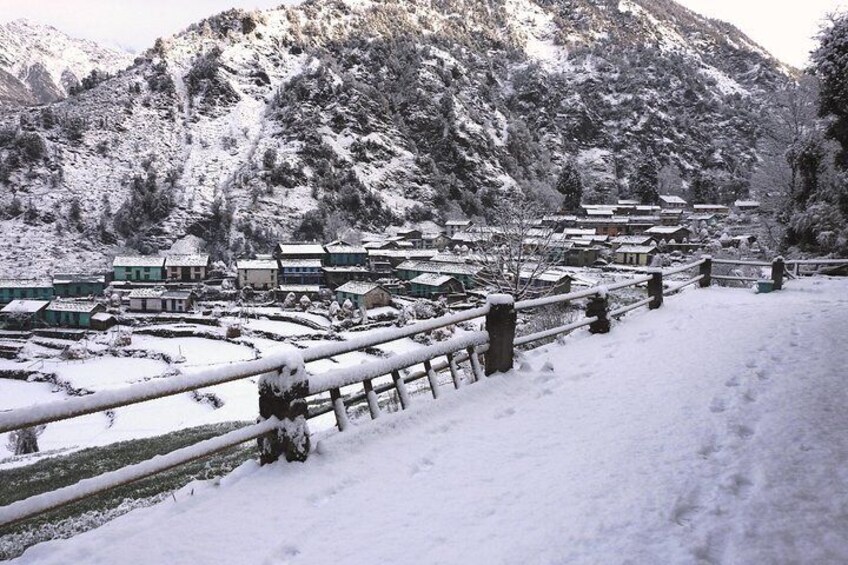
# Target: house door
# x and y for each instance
(185, 273)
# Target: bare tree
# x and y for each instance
(517, 251)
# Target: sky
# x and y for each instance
(786, 28)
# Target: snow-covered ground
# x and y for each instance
(712, 430)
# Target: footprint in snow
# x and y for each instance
(718, 405)
(548, 367)
(283, 555)
(732, 381)
(422, 466)
(743, 432)
(505, 413)
(739, 485)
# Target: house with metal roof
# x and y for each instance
(465, 274)
(18, 289)
(433, 286)
(72, 313)
(301, 271)
(258, 274)
(187, 268)
(138, 268)
(297, 251)
(23, 314)
(363, 294)
(78, 285)
(345, 255)
(640, 255)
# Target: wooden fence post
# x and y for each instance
(778, 268)
(599, 307)
(655, 289)
(282, 394)
(706, 271)
(500, 323)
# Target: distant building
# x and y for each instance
(437, 241)
(433, 285)
(669, 201)
(345, 256)
(146, 300)
(258, 274)
(465, 274)
(71, 286)
(668, 233)
(363, 294)
(24, 314)
(640, 255)
(139, 268)
(549, 282)
(337, 276)
(413, 236)
(636, 240)
(177, 301)
(16, 289)
(72, 314)
(747, 205)
(298, 251)
(711, 209)
(453, 227)
(187, 268)
(301, 271)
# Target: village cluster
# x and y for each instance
(369, 274)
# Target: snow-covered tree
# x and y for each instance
(24, 441)
(570, 186)
(645, 181)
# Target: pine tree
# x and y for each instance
(570, 186)
(644, 183)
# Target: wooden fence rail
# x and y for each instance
(285, 386)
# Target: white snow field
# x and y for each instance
(714, 430)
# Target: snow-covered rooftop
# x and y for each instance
(300, 263)
(25, 283)
(256, 264)
(138, 261)
(200, 260)
(358, 249)
(78, 278)
(662, 230)
(358, 287)
(432, 279)
(671, 199)
(300, 249)
(24, 306)
(139, 293)
(73, 306)
(640, 249)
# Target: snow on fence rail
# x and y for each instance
(284, 385)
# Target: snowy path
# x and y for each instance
(713, 430)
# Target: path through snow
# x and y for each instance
(713, 430)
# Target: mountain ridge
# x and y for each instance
(249, 127)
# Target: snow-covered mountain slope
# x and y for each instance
(709, 431)
(251, 126)
(40, 64)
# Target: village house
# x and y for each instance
(453, 227)
(640, 224)
(300, 251)
(637, 240)
(337, 276)
(258, 274)
(470, 239)
(345, 255)
(670, 202)
(437, 241)
(102, 321)
(434, 286)
(747, 205)
(671, 216)
(611, 226)
(397, 256)
(640, 255)
(72, 314)
(146, 300)
(412, 236)
(72, 286)
(678, 234)
(542, 284)
(301, 271)
(710, 219)
(187, 268)
(177, 301)
(465, 274)
(363, 294)
(139, 268)
(14, 289)
(717, 209)
(24, 314)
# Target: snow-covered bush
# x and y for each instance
(305, 303)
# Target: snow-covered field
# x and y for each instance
(712, 430)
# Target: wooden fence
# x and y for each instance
(285, 387)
